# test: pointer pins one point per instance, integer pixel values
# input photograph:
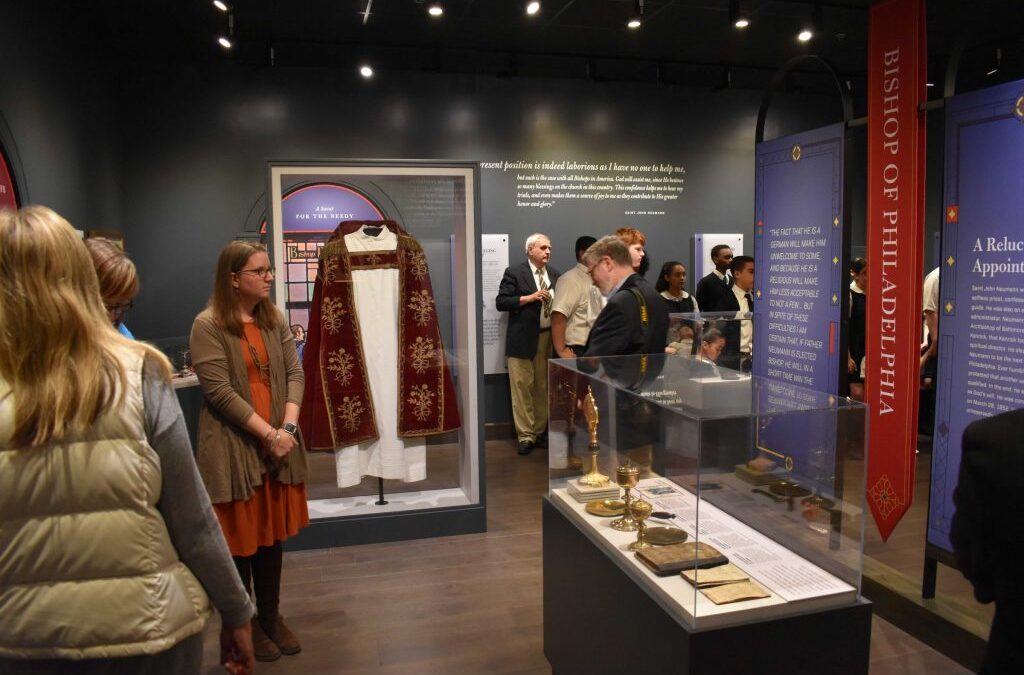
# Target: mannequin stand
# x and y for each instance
(380, 492)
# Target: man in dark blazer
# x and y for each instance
(712, 288)
(988, 534)
(526, 294)
(739, 335)
(635, 320)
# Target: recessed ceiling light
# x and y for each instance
(366, 71)
(532, 7)
(633, 23)
(225, 42)
(219, 4)
(742, 23)
(435, 10)
(804, 35)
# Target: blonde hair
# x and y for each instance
(115, 270)
(224, 301)
(58, 351)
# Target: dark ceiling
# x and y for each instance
(681, 42)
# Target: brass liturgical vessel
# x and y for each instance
(641, 511)
(593, 477)
(626, 476)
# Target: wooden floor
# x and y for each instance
(904, 550)
(467, 604)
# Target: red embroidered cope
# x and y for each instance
(337, 406)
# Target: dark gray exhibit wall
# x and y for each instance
(196, 139)
(57, 106)
(175, 155)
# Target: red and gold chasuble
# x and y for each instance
(337, 408)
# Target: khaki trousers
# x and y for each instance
(528, 382)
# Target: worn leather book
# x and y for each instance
(705, 578)
(666, 560)
(726, 593)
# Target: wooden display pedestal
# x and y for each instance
(597, 619)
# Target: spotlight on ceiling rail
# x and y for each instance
(221, 5)
(366, 71)
(738, 17)
(810, 27)
(532, 8)
(435, 10)
(636, 19)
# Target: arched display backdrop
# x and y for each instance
(8, 190)
(310, 215)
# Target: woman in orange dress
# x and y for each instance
(249, 450)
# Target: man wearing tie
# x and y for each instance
(526, 294)
(739, 335)
(712, 288)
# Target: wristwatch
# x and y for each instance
(290, 428)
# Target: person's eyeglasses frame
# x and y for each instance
(263, 272)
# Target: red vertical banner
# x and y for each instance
(897, 86)
(8, 196)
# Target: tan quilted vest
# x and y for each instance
(87, 568)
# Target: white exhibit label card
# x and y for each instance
(493, 262)
(770, 564)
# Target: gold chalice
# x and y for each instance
(593, 477)
(626, 476)
(641, 511)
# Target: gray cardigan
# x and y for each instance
(230, 459)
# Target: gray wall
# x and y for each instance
(57, 117)
(174, 156)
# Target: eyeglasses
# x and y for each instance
(590, 270)
(259, 271)
(119, 309)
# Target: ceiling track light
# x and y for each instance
(811, 27)
(533, 8)
(366, 71)
(221, 5)
(738, 18)
(227, 40)
(999, 62)
(435, 10)
(637, 18)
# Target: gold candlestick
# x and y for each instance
(641, 511)
(626, 476)
(593, 477)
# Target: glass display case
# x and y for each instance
(712, 336)
(729, 498)
(377, 274)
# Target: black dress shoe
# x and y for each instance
(542, 440)
(525, 447)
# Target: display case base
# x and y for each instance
(374, 529)
(598, 620)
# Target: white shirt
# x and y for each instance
(747, 325)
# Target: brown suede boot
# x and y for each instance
(283, 637)
(262, 645)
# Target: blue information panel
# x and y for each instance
(798, 289)
(981, 303)
(798, 239)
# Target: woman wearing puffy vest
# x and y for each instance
(110, 554)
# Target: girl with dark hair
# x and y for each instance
(670, 284)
